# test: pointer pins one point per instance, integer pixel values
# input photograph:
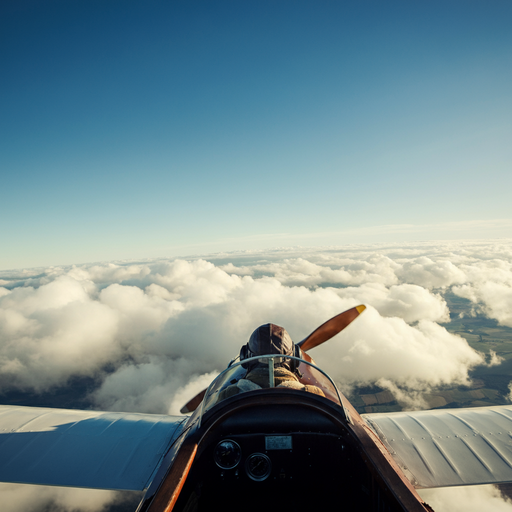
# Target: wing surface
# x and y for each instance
(447, 447)
(101, 450)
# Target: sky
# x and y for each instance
(159, 129)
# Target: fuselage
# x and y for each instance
(277, 447)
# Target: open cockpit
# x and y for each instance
(272, 445)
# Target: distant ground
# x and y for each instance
(489, 384)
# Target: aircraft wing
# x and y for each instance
(446, 447)
(101, 450)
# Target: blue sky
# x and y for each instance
(150, 129)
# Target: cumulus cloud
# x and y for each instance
(493, 299)
(34, 498)
(398, 356)
(410, 302)
(150, 331)
(509, 395)
(374, 268)
(430, 274)
(467, 499)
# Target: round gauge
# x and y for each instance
(258, 466)
(227, 454)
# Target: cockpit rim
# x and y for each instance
(233, 366)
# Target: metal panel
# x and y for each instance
(101, 450)
(448, 447)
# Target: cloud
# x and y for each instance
(34, 498)
(410, 302)
(509, 396)
(147, 331)
(430, 274)
(396, 355)
(53, 332)
(467, 499)
(493, 299)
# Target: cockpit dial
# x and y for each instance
(227, 454)
(258, 466)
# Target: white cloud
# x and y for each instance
(430, 274)
(509, 396)
(467, 499)
(409, 302)
(494, 299)
(147, 330)
(394, 354)
(34, 498)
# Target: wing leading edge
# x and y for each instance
(100, 450)
(447, 447)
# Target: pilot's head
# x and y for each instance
(270, 339)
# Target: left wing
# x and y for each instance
(100, 450)
(446, 447)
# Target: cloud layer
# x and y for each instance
(467, 499)
(36, 498)
(156, 331)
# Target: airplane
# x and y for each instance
(262, 444)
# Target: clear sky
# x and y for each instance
(146, 129)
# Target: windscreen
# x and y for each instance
(270, 371)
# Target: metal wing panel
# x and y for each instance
(101, 450)
(448, 447)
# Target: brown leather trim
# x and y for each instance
(170, 489)
(383, 466)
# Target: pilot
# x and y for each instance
(266, 340)
(269, 339)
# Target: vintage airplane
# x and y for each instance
(263, 445)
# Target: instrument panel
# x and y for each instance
(262, 457)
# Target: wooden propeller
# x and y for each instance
(330, 328)
(320, 335)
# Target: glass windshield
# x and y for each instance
(263, 372)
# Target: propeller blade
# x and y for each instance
(330, 328)
(193, 404)
(325, 332)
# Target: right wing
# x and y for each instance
(100, 450)
(445, 447)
